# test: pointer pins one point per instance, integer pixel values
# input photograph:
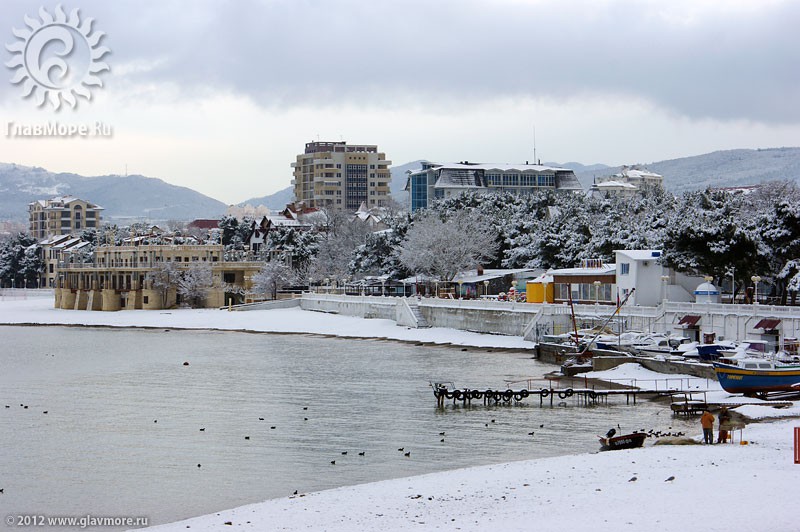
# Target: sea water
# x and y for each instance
(169, 424)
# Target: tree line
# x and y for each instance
(727, 234)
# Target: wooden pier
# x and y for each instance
(489, 396)
(682, 402)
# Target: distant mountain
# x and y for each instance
(399, 178)
(726, 168)
(123, 197)
(275, 202)
(580, 168)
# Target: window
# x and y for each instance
(624, 268)
(229, 277)
(145, 299)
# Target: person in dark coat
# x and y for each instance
(724, 425)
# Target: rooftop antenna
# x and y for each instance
(534, 143)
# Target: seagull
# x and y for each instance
(531, 433)
(441, 441)
(401, 449)
(440, 434)
(247, 437)
(273, 427)
(344, 452)
(155, 421)
(198, 465)
(305, 408)
(541, 426)
(362, 453)
(670, 479)
(44, 412)
(295, 492)
(333, 462)
(632, 479)
(407, 454)
(261, 419)
(203, 430)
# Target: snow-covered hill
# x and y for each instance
(726, 168)
(123, 197)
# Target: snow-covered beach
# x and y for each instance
(694, 487)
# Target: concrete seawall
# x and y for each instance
(477, 316)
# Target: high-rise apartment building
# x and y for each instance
(61, 216)
(339, 176)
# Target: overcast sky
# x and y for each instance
(221, 95)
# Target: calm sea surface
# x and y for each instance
(122, 434)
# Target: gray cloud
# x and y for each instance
(732, 65)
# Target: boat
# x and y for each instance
(757, 376)
(625, 441)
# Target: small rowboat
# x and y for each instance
(625, 441)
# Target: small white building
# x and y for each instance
(642, 270)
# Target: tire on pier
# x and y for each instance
(477, 394)
(592, 395)
(524, 393)
(545, 392)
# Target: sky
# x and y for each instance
(221, 95)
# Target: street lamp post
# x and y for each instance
(597, 292)
(486, 288)
(664, 281)
(460, 294)
(756, 279)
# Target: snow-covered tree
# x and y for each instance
(195, 282)
(20, 262)
(338, 241)
(709, 235)
(377, 256)
(296, 246)
(443, 247)
(273, 276)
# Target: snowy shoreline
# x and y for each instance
(598, 491)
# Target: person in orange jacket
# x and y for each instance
(707, 422)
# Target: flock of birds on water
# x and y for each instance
(650, 433)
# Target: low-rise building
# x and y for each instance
(137, 277)
(434, 181)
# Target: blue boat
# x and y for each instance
(757, 376)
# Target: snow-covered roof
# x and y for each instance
(544, 278)
(640, 254)
(614, 184)
(641, 174)
(605, 269)
(503, 167)
(472, 276)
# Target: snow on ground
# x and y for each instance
(40, 310)
(665, 487)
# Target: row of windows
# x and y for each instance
(524, 180)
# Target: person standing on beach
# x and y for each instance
(707, 422)
(724, 425)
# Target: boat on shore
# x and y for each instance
(624, 441)
(754, 376)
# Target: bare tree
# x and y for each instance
(442, 248)
(271, 277)
(195, 282)
(164, 277)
